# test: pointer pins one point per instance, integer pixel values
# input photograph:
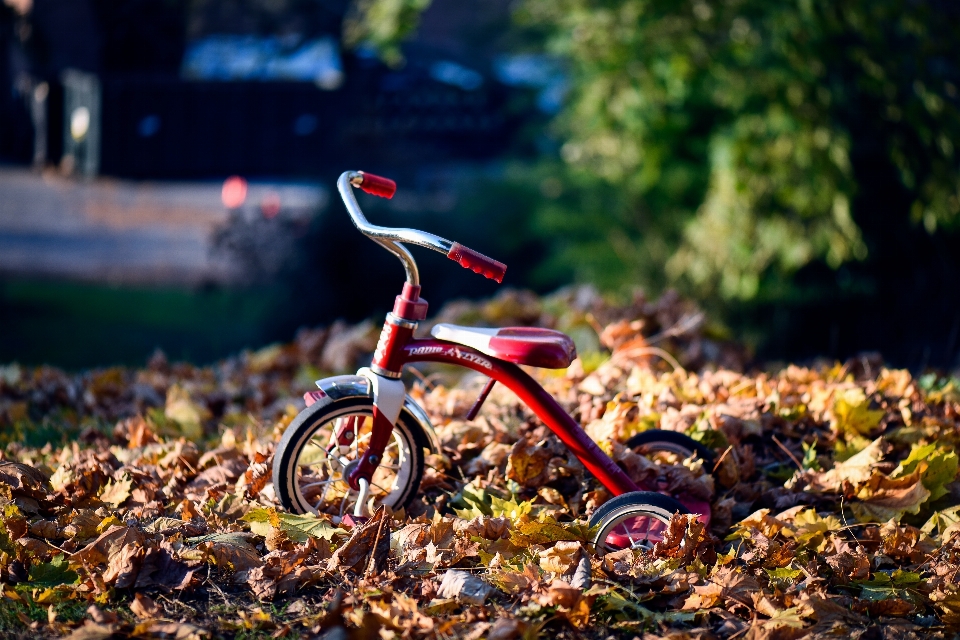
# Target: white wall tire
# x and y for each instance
(634, 520)
(308, 466)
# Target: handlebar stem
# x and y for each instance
(390, 239)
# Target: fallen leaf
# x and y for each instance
(144, 607)
(465, 587)
(170, 630)
(53, 573)
(116, 492)
(561, 558)
(368, 540)
(883, 498)
(852, 414)
(528, 463)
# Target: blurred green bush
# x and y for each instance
(714, 146)
(724, 131)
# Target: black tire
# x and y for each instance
(408, 439)
(629, 507)
(656, 440)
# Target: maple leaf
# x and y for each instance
(760, 521)
(116, 493)
(543, 530)
(561, 558)
(228, 550)
(784, 576)
(937, 465)
(297, 527)
(855, 470)
(53, 573)
(810, 529)
(528, 463)
(884, 498)
(791, 617)
(852, 415)
(944, 523)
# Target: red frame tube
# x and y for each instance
(533, 395)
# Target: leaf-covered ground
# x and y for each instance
(138, 502)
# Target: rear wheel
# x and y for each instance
(321, 447)
(635, 520)
(658, 443)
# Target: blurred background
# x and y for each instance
(167, 167)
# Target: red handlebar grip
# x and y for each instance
(477, 262)
(378, 186)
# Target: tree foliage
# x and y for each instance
(716, 144)
(729, 130)
(383, 24)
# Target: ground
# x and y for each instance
(139, 502)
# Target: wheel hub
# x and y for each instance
(348, 470)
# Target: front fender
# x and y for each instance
(338, 387)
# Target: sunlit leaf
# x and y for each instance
(53, 573)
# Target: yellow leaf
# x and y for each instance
(852, 415)
(856, 470)
(116, 493)
(542, 531)
(188, 415)
(107, 523)
(810, 529)
(527, 463)
(11, 594)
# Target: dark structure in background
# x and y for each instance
(155, 127)
(131, 113)
(108, 87)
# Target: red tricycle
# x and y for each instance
(361, 440)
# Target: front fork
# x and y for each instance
(388, 397)
(388, 390)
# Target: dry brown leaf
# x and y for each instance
(256, 477)
(108, 545)
(92, 631)
(144, 607)
(123, 565)
(561, 558)
(884, 498)
(116, 492)
(528, 463)
(361, 545)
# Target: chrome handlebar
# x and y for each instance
(389, 238)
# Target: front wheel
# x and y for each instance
(320, 448)
(634, 520)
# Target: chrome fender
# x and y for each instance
(339, 387)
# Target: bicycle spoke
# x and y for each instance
(317, 484)
(323, 498)
(379, 487)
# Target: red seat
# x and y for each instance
(521, 345)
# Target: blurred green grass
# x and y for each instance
(77, 325)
